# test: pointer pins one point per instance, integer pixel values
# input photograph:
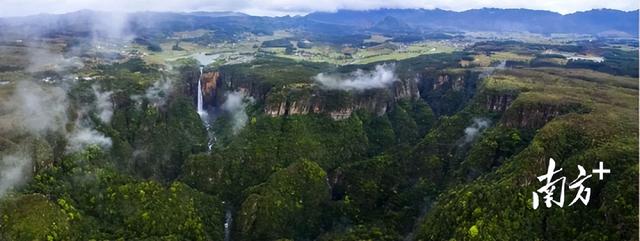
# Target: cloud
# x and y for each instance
(13, 170)
(37, 109)
(34, 109)
(84, 134)
(42, 58)
(111, 25)
(488, 71)
(104, 106)
(235, 105)
(472, 131)
(289, 7)
(157, 93)
(83, 137)
(382, 76)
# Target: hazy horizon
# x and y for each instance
(15, 8)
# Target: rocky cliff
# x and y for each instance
(447, 91)
(304, 96)
(210, 81)
(534, 115)
(498, 102)
(215, 84)
(337, 103)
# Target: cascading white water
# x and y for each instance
(202, 113)
(200, 101)
(228, 220)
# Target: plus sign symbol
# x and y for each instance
(601, 171)
(554, 186)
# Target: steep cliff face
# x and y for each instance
(524, 111)
(215, 84)
(407, 89)
(279, 109)
(499, 102)
(209, 86)
(536, 115)
(338, 104)
(303, 98)
(447, 91)
(253, 87)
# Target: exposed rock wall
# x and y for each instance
(339, 104)
(305, 99)
(536, 115)
(499, 102)
(209, 86)
(447, 91)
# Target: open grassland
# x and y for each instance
(484, 60)
(404, 52)
(383, 52)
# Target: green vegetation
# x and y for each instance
(288, 205)
(493, 200)
(33, 217)
(374, 164)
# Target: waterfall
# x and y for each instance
(228, 220)
(203, 114)
(201, 111)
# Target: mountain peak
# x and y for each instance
(390, 23)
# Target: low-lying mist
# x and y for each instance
(383, 76)
(473, 130)
(235, 105)
(33, 109)
(104, 105)
(14, 168)
(157, 93)
(84, 136)
(36, 110)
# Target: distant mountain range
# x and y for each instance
(492, 19)
(344, 22)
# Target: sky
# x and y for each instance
(295, 7)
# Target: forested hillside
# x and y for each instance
(408, 166)
(387, 124)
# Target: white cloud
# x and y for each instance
(472, 131)
(235, 105)
(83, 137)
(284, 7)
(103, 104)
(13, 170)
(381, 77)
(34, 109)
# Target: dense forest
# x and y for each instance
(380, 124)
(452, 154)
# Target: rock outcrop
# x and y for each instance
(338, 104)
(301, 99)
(447, 91)
(499, 102)
(209, 86)
(536, 115)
